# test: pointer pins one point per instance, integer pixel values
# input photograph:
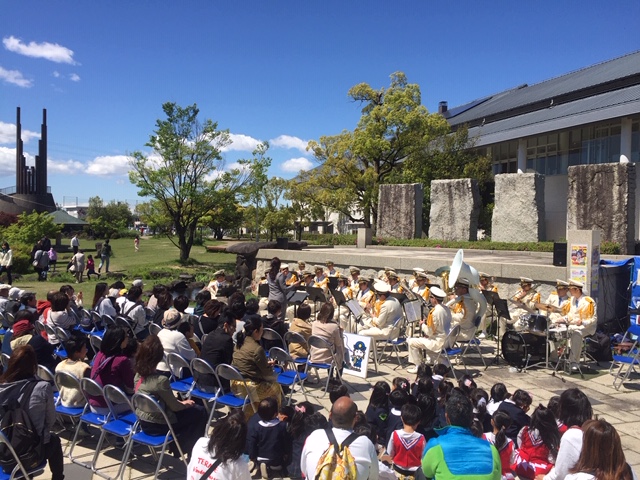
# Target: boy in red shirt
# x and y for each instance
(406, 445)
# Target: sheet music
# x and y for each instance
(413, 311)
(355, 307)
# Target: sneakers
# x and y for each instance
(412, 369)
(482, 335)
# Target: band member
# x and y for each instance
(420, 286)
(289, 277)
(485, 283)
(412, 280)
(435, 331)
(320, 279)
(342, 311)
(581, 321)
(380, 326)
(365, 294)
(355, 275)
(394, 282)
(463, 310)
(331, 269)
(524, 300)
(559, 298)
(219, 282)
(307, 281)
(301, 268)
(384, 275)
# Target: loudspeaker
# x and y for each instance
(559, 254)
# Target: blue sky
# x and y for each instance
(264, 70)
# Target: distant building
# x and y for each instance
(588, 116)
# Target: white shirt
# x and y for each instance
(174, 342)
(363, 451)
(201, 460)
(568, 454)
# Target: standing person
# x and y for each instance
(75, 243)
(53, 258)
(105, 256)
(136, 243)
(343, 418)
(602, 456)
(443, 459)
(41, 261)
(91, 267)
(6, 261)
(78, 264)
(278, 288)
(21, 376)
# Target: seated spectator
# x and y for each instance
(505, 446)
(538, 444)
(23, 333)
(202, 297)
(111, 366)
(29, 302)
(517, 407)
(406, 445)
(165, 302)
(102, 303)
(152, 304)
(59, 316)
(133, 308)
(76, 348)
(272, 320)
(326, 328)
(377, 412)
(186, 328)
(209, 321)
(268, 442)
(172, 340)
(302, 326)
(181, 303)
(218, 347)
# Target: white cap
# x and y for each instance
(437, 292)
(137, 283)
(15, 293)
(381, 287)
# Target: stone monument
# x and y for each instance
(455, 207)
(602, 197)
(400, 211)
(518, 215)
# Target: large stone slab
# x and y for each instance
(455, 207)
(518, 215)
(400, 211)
(602, 197)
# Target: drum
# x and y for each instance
(538, 325)
(518, 349)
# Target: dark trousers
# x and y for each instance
(188, 428)
(8, 270)
(53, 454)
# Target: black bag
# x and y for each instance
(17, 426)
(599, 347)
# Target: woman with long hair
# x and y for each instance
(250, 359)
(602, 457)
(325, 327)
(102, 303)
(222, 451)
(6, 261)
(20, 376)
(278, 287)
(111, 366)
(183, 414)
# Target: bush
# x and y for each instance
(329, 239)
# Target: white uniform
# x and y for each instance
(463, 313)
(583, 311)
(436, 329)
(380, 327)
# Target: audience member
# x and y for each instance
(268, 442)
(406, 445)
(302, 326)
(59, 316)
(172, 340)
(217, 348)
(537, 444)
(76, 348)
(23, 333)
(505, 446)
(133, 308)
(377, 412)
(326, 328)
(517, 407)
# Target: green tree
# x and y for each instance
(30, 228)
(106, 220)
(253, 191)
(393, 127)
(302, 197)
(184, 170)
(226, 217)
(279, 222)
(154, 216)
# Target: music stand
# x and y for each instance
(401, 297)
(263, 290)
(316, 295)
(295, 298)
(340, 299)
(499, 309)
(333, 283)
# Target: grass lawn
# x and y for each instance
(155, 262)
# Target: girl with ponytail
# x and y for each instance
(505, 446)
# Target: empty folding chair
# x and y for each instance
(59, 348)
(331, 367)
(147, 403)
(629, 359)
(289, 376)
(272, 339)
(181, 378)
(89, 388)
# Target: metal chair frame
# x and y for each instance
(200, 367)
(451, 350)
(271, 335)
(89, 388)
(394, 340)
(319, 342)
(154, 328)
(180, 382)
(295, 337)
(289, 377)
(229, 372)
(631, 359)
(65, 379)
(19, 471)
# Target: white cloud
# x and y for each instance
(7, 165)
(241, 143)
(56, 74)
(74, 77)
(297, 164)
(48, 51)
(67, 167)
(8, 134)
(287, 141)
(109, 165)
(15, 77)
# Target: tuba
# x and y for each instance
(461, 269)
(443, 273)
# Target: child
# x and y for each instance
(439, 373)
(76, 348)
(401, 383)
(369, 431)
(136, 243)
(378, 409)
(91, 268)
(428, 404)
(186, 328)
(406, 445)
(497, 395)
(467, 384)
(554, 406)
(479, 398)
(424, 371)
(299, 426)
(505, 446)
(398, 399)
(538, 444)
(516, 407)
(268, 442)
(337, 392)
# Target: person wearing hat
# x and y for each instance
(581, 320)
(23, 333)
(320, 280)
(412, 280)
(289, 277)
(302, 266)
(394, 282)
(172, 340)
(365, 294)
(332, 271)
(4, 296)
(13, 304)
(219, 282)
(379, 325)
(435, 331)
(420, 285)
(307, 280)
(342, 311)
(522, 303)
(559, 298)
(355, 275)
(485, 283)
(278, 289)
(463, 310)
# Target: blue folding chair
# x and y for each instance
(19, 471)
(206, 387)
(120, 423)
(295, 337)
(451, 350)
(59, 350)
(181, 379)
(67, 380)
(331, 367)
(147, 403)
(229, 399)
(89, 388)
(630, 359)
(289, 376)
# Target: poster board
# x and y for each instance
(356, 356)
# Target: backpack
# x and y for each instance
(337, 462)
(106, 250)
(599, 347)
(18, 427)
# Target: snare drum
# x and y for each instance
(518, 349)
(538, 324)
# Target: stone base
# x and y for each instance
(518, 215)
(455, 207)
(400, 211)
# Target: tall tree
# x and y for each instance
(394, 126)
(184, 169)
(253, 191)
(105, 220)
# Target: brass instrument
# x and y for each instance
(443, 273)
